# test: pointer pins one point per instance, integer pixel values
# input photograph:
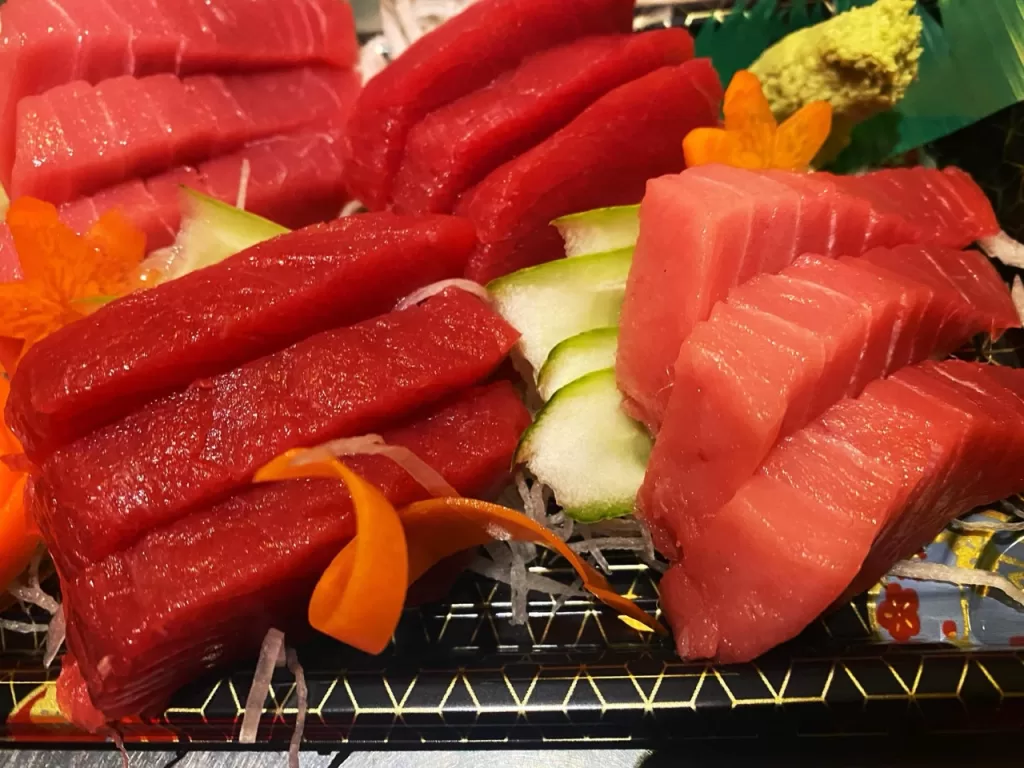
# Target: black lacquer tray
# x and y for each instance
(460, 673)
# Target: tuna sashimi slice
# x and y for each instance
(947, 206)
(191, 448)
(463, 54)
(203, 591)
(44, 45)
(456, 146)
(781, 349)
(602, 158)
(713, 227)
(295, 180)
(76, 139)
(868, 483)
(257, 302)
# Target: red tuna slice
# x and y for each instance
(781, 349)
(203, 591)
(713, 227)
(456, 146)
(294, 179)
(207, 322)
(44, 45)
(76, 139)
(947, 206)
(908, 455)
(602, 158)
(463, 54)
(189, 449)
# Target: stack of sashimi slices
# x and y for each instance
(516, 112)
(116, 104)
(777, 334)
(147, 420)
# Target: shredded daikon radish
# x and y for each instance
(243, 185)
(594, 551)
(115, 736)
(534, 581)
(22, 627)
(920, 571)
(986, 525)
(417, 468)
(32, 592)
(1004, 248)
(54, 637)
(520, 589)
(433, 289)
(302, 706)
(403, 22)
(1017, 294)
(271, 655)
(350, 208)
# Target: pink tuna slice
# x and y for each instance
(47, 44)
(713, 227)
(202, 592)
(207, 322)
(866, 484)
(456, 146)
(602, 158)
(781, 349)
(465, 53)
(192, 448)
(76, 139)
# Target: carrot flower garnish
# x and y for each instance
(360, 597)
(753, 139)
(67, 275)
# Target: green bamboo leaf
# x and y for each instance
(736, 42)
(972, 67)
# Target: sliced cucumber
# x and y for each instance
(576, 357)
(211, 231)
(554, 301)
(602, 229)
(584, 447)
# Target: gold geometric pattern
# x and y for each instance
(463, 673)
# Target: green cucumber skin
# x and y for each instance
(598, 509)
(599, 229)
(553, 301)
(555, 268)
(212, 231)
(586, 341)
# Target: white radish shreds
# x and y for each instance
(243, 185)
(422, 294)
(54, 637)
(31, 591)
(403, 22)
(1017, 294)
(270, 655)
(969, 526)
(302, 706)
(22, 627)
(534, 581)
(1004, 248)
(350, 209)
(520, 589)
(414, 466)
(919, 571)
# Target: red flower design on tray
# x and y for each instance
(898, 613)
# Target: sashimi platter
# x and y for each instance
(530, 372)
